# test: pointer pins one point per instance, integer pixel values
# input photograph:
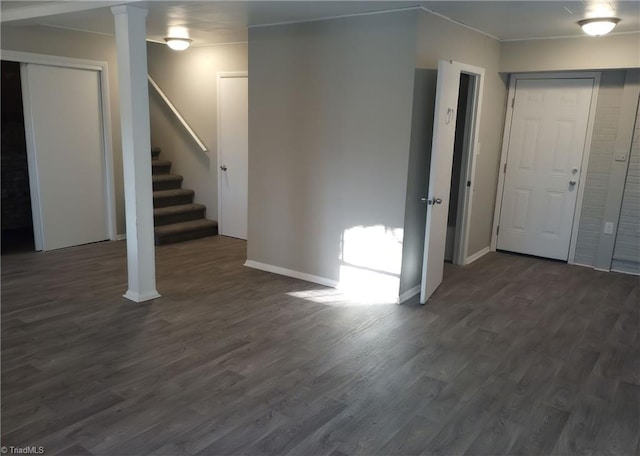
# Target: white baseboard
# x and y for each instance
(291, 273)
(625, 272)
(477, 255)
(409, 294)
(317, 279)
(581, 265)
(605, 270)
(141, 297)
(121, 237)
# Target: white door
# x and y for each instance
(233, 155)
(546, 144)
(63, 122)
(444, 130)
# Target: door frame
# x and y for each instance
(468, 171)
(219, 76)
(585, 152)
(107, 150)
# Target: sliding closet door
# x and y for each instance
(65, 145)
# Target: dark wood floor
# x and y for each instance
(513, 355)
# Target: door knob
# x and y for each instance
(572, 183)
(223, 168)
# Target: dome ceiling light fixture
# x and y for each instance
(178, 43)
(598, 26)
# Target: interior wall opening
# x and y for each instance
(17, 219)
(460, 161)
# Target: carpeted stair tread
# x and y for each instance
(184, 231)
(164, 198)
(177, 214)
(155, 152)
(160, 166)
(186, 226)
(166, 181)
(166, 177)
(172, 192)
(179, 209)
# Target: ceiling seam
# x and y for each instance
(71, 28)
(149, 40)
(342, 16)
(461, 24)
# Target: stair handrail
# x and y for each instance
(177, 114)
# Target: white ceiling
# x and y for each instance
(214, 22)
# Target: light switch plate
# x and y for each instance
(608, 227)
(621, 157)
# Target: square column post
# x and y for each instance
(131, 48)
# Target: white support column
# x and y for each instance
(131, 47)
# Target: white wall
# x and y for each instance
(188, 78)
(79, 45)
(329, 129)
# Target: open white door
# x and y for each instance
(65, 148)
(233, 154)
(444, 130)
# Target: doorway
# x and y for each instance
(546, 134)
(17, 222)
(457, 193)
(448, 195)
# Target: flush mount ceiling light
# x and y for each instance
(178, 44)
(598, 26)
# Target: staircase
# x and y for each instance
(176, 217)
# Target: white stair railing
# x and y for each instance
(177, 114)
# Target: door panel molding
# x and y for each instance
(595, 76)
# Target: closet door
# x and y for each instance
(65, 144)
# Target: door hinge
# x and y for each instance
(504, 170)
(468, 183)
(513, 102)
(498, 230)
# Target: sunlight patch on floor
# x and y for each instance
(342, 298)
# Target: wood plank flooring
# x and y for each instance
(513, 355)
